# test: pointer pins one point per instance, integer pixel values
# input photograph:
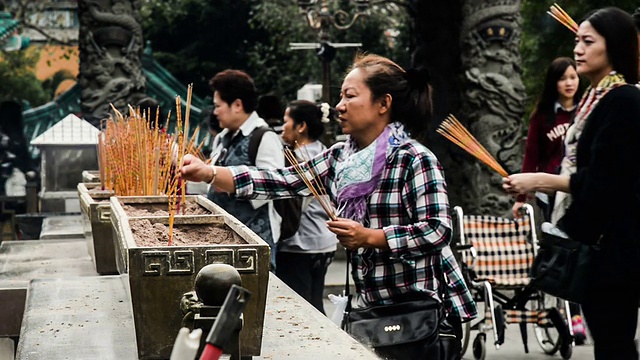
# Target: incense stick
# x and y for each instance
(313, 184)
(556, 12)
(453, 130)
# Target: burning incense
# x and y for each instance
(556, 12)
(314, 184)
(137, 158)
(101, 160)
(183, 148)
(453, 130)
(133, 155)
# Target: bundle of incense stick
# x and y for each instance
(137, 158)
(453, 130)
(562, 17)
(313, 184)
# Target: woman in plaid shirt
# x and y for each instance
(389, 189)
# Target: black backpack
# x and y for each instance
(290, 209)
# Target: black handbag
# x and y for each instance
(406, 330)
(562, 266)
(412, 329)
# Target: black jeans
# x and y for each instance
(304, 273)
(611, 315)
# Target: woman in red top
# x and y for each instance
(549, 122)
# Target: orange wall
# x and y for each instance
(53, 59)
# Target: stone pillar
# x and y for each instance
(111, 46)
(493, 99)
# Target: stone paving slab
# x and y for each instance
(22, 261)
(77, 318)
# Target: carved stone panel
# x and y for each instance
(493, 99)
(175, 262)
(111, 47)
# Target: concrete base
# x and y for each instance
(100, 322)
(93, 313)
(62, 227)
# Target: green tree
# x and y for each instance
(51, 84)
(284, 71)
(195, 39)
(18, 79)
(545, 39)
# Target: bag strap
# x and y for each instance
(254, 142)
(347, 309)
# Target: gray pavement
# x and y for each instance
(512, 349)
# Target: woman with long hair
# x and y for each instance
(604, 179)
(549, 122)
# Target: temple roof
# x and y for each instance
(8, 26)
(161, 85)
(69, 131)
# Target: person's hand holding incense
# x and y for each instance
(520, 183)
(194, 169)
(352, 235)
(526, 183)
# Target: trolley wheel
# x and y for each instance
(547, 336)
(479, 347)
(466, 333)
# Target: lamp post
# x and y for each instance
(321, 17)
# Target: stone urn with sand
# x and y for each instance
(159, 273)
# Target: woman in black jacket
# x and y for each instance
(606, 183)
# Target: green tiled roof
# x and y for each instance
(7, 26)
(161, 85)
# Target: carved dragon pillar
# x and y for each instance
(111, 47)
(492, 100)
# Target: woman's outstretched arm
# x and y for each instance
(531, 182)
(194, 169)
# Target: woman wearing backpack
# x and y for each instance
(302, 260)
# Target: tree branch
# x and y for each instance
(43, 33)
(401, 3)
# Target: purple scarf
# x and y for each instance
(354, 196)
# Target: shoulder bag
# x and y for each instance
(561, 267)
(414, 328)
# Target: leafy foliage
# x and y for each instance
(51, 84)
(19, 80)
(195, 39)
(285, 71)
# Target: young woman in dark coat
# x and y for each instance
(606, 183)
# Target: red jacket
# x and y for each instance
(545, 143)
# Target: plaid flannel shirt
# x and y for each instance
(410, 204)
